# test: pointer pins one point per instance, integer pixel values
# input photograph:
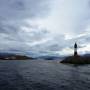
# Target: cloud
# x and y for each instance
(44, 26)
(18, 9)
(15, 31)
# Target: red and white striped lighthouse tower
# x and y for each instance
(75, 49)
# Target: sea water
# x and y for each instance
(43, 75)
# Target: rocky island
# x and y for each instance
(77, 59)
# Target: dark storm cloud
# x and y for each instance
(13, 14)
(18, 9)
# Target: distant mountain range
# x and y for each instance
(10, 56)
(50, 57)
(87, 55)
(57, 57)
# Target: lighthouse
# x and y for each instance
(75, 49)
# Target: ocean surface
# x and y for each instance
(43, 75)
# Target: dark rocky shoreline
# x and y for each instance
(76, 60)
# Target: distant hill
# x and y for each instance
(86, 55)
(10, 56)
(50, 57)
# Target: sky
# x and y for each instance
(44, 27)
